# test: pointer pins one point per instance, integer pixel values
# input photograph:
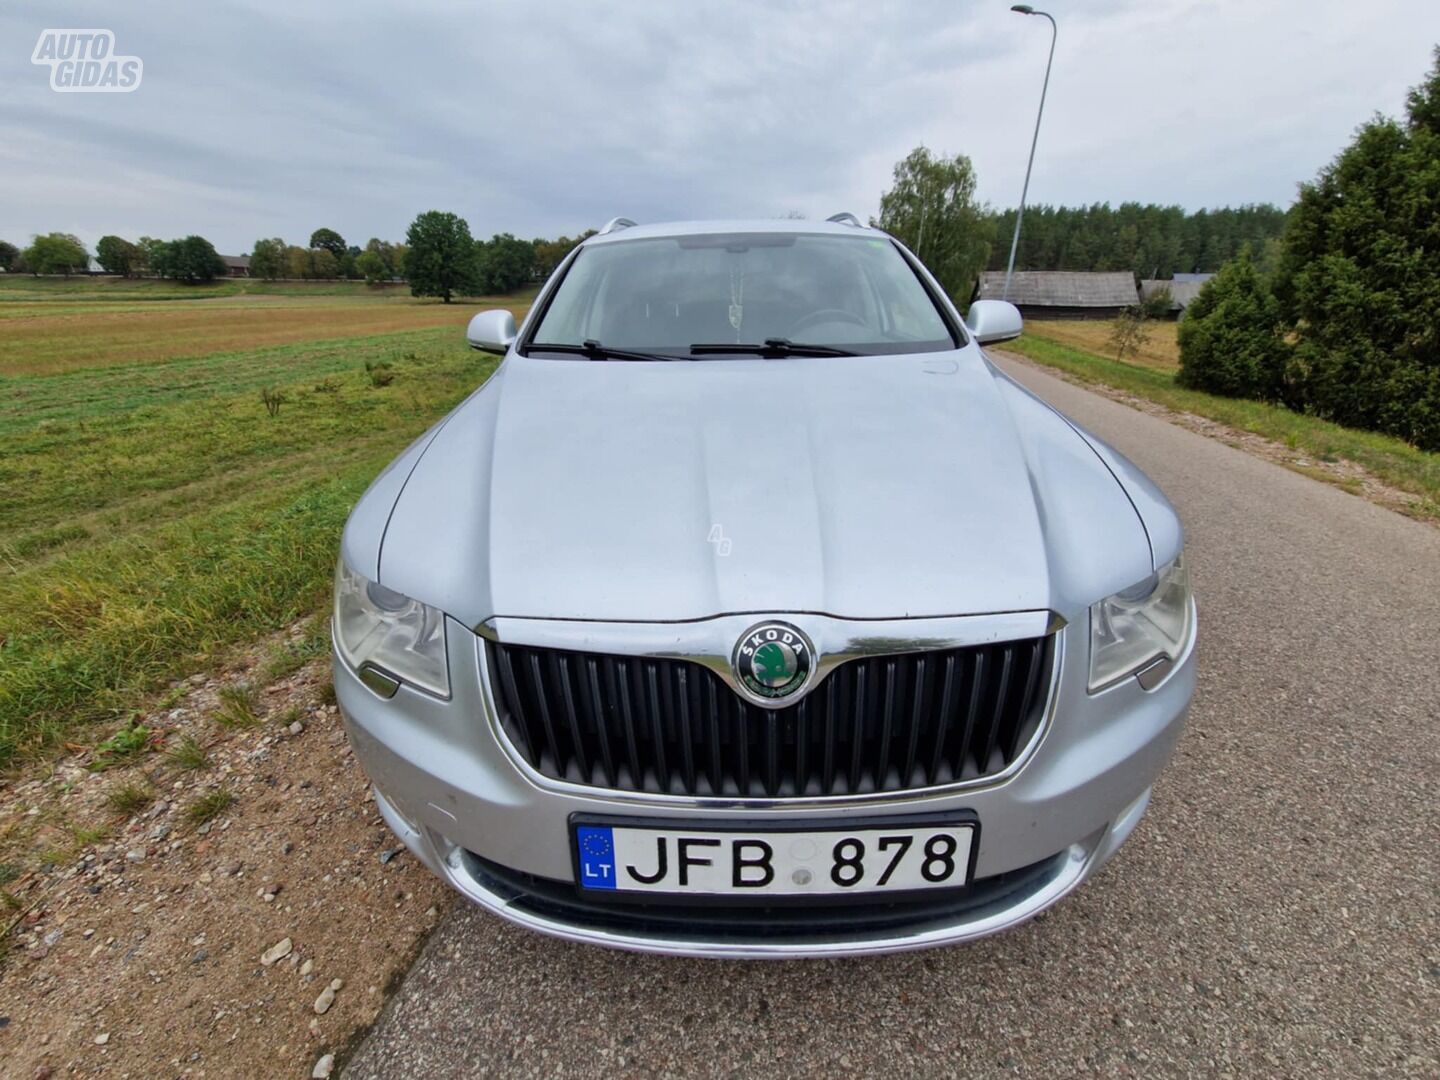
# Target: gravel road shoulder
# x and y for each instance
(144, 943)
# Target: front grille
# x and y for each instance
(877, 724)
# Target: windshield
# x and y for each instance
(668, 295)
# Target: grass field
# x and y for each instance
(1063, 345)
(152, 510)
(1161, 351)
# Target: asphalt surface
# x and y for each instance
(1276, 914)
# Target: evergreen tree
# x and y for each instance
(1359, 277)
(1230, 338)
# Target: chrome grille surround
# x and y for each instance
(708, 643)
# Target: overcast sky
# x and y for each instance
(542, 117)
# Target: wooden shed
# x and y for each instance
(1183, 288)
(1062, 294)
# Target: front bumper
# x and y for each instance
(450, 789)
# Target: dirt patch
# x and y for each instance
(1341, 473)
(142, 951)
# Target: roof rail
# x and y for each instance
(614, 224)
(845, 218)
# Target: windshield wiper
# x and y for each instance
(595, 351)
(774, 347)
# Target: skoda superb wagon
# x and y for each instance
(749, 610)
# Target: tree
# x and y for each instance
(1129, 332)
(328, 240)
(8, 254)
(931, 208)
(117, 256)
(504, 263)
(157, 255)
(373, 267)
(441, 257)
(267, 260)
(56, 253)
(323, 263)
(549, 254)
(195, 261)
(1230, 338)
(386, 253)
(1359, 277)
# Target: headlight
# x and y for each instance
(1132, 629)
(379, 627)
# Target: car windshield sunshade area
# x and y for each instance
(768, 295)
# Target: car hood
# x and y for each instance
(859, 487)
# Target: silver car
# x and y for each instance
(748, 610)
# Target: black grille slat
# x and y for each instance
(997, 710)
(657, 722)
(537, 686)
(827, 767)
(917, 722)
(672, 726)
(595, 711)
(682, 702)
(512, 695)
(802, 746)
(972, 710)
(943, 719)
(859, 708)
(617, 673)
(712, 715)
(561, 666)
(740, 735)
(1034, 658)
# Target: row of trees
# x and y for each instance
(1149, 240)
(439, 258)
(1346, 325)
(192, 258)
(442, 258)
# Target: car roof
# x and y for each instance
(791, 226)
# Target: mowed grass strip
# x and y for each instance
(1161, 349)
(136, 542)
(89, 339)
(60, 470)
(1389, 460)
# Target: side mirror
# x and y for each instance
(994, 320)
(492, 331)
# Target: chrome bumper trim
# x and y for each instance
(1080, 860)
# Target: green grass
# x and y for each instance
(209, 806)
(129, 742)
(239, 706)
(1390, 460)
(153, 515)
(30, 289)
(188, 754)
(129, 798)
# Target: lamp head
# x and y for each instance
(1023, 9)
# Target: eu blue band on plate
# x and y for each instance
(596, 845)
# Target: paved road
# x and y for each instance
(1278, 913)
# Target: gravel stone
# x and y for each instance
(276, 952)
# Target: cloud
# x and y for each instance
(541, 118)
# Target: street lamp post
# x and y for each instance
(1026, 9)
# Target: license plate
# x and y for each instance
(875, 858)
